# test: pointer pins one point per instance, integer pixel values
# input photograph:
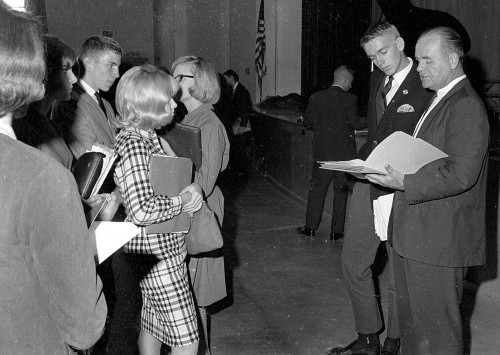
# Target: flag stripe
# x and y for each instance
(260, 44)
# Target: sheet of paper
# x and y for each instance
(381, 212)
(403, 152)
(111, 236)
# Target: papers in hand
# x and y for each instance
(403, 152)
(111, 236)
(382, 207)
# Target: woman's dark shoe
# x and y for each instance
(306, 231)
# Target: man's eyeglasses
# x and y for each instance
(182, 76)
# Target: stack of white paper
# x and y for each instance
(382, 211)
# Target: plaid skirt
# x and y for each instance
(168, 311)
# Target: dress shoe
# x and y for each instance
(391, 346)
(352, 349)
(306, 231)
(336, 236)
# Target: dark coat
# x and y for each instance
(241, 105)
(332, 114)
(410, 93)
(440, 217)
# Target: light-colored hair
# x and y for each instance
(141, 96)
(343, 72)
(56, 53)
(96, 45)
(206, 87)
(450, 39)
(22, 65)
(379, 29)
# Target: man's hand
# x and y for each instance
(192, 198)
(393, 179)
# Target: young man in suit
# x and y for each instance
(438, 227)
(332, 114)
(396, 102)
(84, 120)
(238, 114)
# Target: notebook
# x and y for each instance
(185, 141)
(168, 176)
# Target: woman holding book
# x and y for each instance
(200, 90)
(144, 103)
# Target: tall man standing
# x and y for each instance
(238, 116)
(396, 102)
(332, 114)
(88, 123)
(439, 212)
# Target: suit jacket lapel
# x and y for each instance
(406, 88)
(434, 113)
(100, 118)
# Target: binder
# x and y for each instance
(168, 176)
(92, 168)
(185, 141)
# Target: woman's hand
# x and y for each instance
(192, 198)
(109, 210)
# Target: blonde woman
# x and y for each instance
(200, 90)
(144, 103)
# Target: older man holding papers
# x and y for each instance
(438, 221)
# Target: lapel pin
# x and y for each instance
(405, 92)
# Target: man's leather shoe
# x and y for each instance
(336, 236)
(391, 346)
(352, 349)
(306, 231)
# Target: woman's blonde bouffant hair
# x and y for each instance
(141, 96)
(206, 87)
(22, 64)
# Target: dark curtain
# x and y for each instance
(331, 30)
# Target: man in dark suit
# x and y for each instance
(396, 102)
(238, 115)
(84, 120)
(332, 114)
(438, 221)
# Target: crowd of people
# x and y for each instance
(153, 294)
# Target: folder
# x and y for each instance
(185, 141)
(168, 176)
(403, 152)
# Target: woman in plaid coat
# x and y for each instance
(144, 103)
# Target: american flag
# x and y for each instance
(260, 47)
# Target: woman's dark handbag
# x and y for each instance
(204, 234)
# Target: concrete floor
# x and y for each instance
(287, 295)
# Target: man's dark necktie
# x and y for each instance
(101, 104)
(385, 90)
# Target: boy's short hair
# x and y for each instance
(22, 64)
(206, 87)
(141, 96)
(97, 45)
(379, 29)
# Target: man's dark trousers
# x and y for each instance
(358, 254)
(320, 181)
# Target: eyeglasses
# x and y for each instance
(182, 76)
